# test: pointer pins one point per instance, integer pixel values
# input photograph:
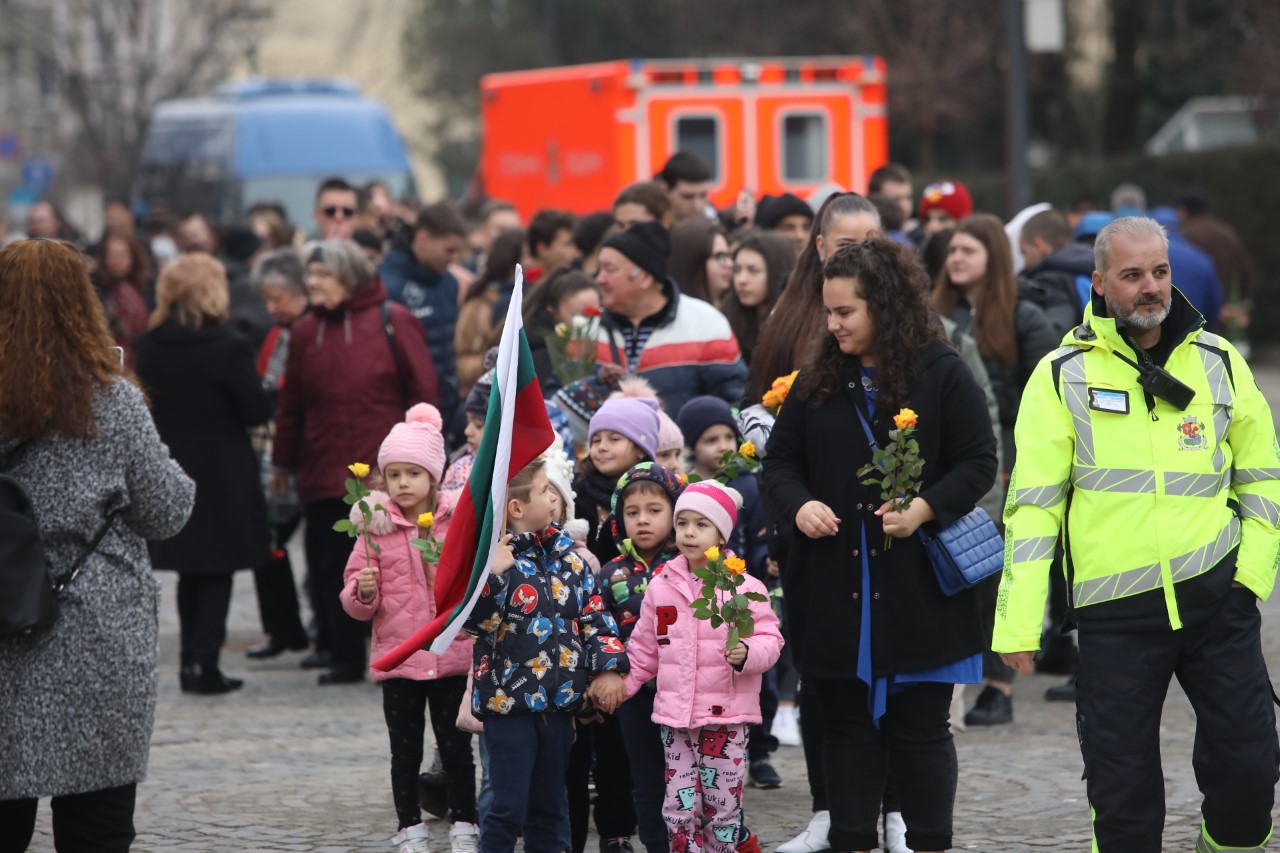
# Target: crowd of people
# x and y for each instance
(662, 330)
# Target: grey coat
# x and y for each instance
(77, 703)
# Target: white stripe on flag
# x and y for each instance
(505, 381)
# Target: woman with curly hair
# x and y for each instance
(882, 643)
(78, 700)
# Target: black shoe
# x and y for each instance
(992, 709)
(340, 676)
(273, 647)
(616, 845)
(433, 793)
(206, 681)
(762, 774)
(317, 660)
(1059, 656)
(1065, 692)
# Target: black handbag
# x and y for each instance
(29, 603)
(964, 552)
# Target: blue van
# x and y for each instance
(267, 140)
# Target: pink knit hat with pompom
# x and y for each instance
(417, 441)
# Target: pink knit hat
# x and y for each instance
(669, 435)
(718, 504)
(417, 441)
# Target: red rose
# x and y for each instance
(591, 311)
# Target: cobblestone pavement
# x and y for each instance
(285, 765)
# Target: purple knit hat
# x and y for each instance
(633, 417)
(417, 441)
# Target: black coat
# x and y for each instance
(814, 453)
(205, 393)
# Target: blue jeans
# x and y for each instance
(533, 752)
(648, 768)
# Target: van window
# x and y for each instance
(804, 148)
(701, 135)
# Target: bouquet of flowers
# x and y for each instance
(897, 466)
(777, 394)
(357, 491)
(721, 602)
(572, 346)
(428, 544)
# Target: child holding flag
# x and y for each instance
(393, 585)
(541, 632)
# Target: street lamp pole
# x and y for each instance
(1017, 171)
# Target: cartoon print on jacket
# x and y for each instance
(534, 651)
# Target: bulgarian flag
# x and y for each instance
(516, 431)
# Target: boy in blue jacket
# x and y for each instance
(542, 632)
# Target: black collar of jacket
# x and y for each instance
(1183, 320)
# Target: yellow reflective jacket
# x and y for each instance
(1153, 496)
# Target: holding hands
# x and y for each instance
(607, 691)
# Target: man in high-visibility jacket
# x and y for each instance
(1146, 447)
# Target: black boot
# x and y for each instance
(207, 680)
(992, 709)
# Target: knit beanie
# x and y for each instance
(647, 245)
(669, 435)
(718, 504)
(559, 470)
(417, 441)
(633, 417)
(700, 414)
(773, 209)
(580, 400)
(951, 196)
(478, 397)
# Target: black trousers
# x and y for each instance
(92, 822)
(912, 751)
(404, 704)
(203, 604)
(762, 743)
(278, 593)
(813, 736)
(645, 753)
(993, 666)
(327, 553)
(615, 812)
(1120, 692)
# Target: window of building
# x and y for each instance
(804, 148)
(701, 135)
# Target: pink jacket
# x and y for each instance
(405, 599)
(695, 687)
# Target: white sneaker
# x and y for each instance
(412, 839)
(957, 708)
(895, 833)
(463, 837)
(786, 726)
(814, 837)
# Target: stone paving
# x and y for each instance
(286, 765)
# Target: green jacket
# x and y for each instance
(1154, 499)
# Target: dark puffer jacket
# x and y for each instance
(432, 297)
(541, 630)
(1060, 285)
(626, 577)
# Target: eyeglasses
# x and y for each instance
(333, 211)
(723, 257)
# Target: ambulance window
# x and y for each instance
(804, 148)
(701, 135)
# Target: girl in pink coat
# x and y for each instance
(393, 586)
(707, 698)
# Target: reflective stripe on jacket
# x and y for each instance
(1156, 496)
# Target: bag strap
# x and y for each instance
(14, 456)
(390, 331)
(61, 583)
(866, 427)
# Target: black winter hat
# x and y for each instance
(701, 414)
(773, 209)
(647, 245)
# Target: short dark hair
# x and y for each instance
(366, 239)
(336, 183)
(544, 227)
(685, 166)
(1193, 202)
(1050, 226)
(440, 220)
(889, 172)
(492, 206)
(117, 200)
(590, 230)
(648, 195)
(891, 215)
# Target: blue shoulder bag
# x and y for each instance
(964, 552)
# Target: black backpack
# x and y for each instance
(30, 601)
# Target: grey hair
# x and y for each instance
(279, 266)
(1128, 196)
(1132, 226)
(847, 204)
(344, 258)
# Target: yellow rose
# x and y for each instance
(359, 469)
(748, 449)
(562, 331)
(712, 554)
(771, 399)
(735, 565)
(426, 519)
(905, 418)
